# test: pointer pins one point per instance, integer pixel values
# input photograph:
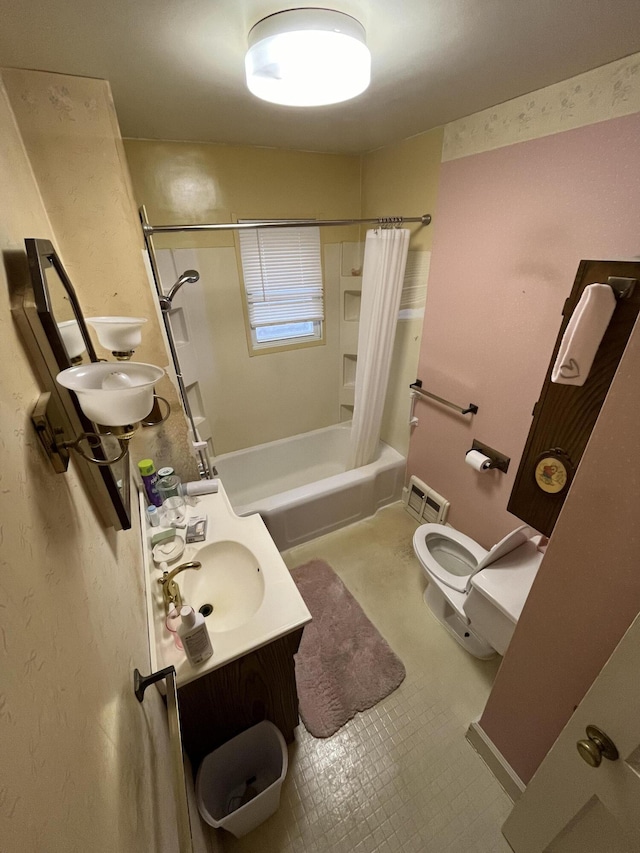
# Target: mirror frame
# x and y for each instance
(34, 314)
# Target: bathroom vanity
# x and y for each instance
(255, 624)
(258, 686)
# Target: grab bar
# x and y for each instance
(417, 387)
(140, 684)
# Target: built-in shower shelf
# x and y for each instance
(349, 363)
(346, 413)
(351, 306)
(351, 258)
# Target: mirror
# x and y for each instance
(52, 323)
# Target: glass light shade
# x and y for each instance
(307, 58)
(113, 394)
(118, 334)
(72, 338)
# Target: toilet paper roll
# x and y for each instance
(477, 460)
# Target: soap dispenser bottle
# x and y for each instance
(194, 635)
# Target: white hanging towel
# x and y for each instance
(583, 335)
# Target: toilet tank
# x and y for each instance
(498, 594)
(489, 622)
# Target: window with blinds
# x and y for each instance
(283, 284)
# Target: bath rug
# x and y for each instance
(343, 665)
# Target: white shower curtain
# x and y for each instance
(385, 258)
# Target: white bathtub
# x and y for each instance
(300, 487)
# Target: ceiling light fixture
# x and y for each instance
(307, 58)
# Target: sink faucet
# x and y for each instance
(170, 589)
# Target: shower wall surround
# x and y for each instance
(251, 400)
(73, 609)
(241, 400)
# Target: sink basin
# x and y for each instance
(230, 581)
(243, 587)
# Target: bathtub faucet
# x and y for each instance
(170, 589)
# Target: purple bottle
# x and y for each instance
(150, 478)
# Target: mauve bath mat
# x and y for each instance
(343, 664)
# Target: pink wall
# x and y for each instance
(511, 227)
(587, 591)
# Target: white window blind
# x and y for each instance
(414, 286)
(282, 275)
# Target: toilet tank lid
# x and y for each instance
(505, 546)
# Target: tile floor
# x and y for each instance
(399, 778)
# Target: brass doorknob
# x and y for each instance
(597, 747)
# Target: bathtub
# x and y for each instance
(300, 487)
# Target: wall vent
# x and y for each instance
(425, 505)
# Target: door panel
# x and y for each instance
(593, 829)
(568, 800)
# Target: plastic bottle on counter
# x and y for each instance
(200, 487)
(194, 635)
(150, 479)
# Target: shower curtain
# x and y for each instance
(385, 258)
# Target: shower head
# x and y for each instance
(187, 277)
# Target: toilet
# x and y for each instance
(478, 595)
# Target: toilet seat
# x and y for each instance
(453, 558)
(447, 554)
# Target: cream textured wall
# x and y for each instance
(70, 131)
(183, 182)
(83, 765)
(402, 179)
(276, 394)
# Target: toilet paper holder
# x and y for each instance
(498, 460)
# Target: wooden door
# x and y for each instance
(572, 807)
(564, 416)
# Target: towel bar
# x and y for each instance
(416, 386)
(140, 684)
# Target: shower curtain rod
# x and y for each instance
(425, 219)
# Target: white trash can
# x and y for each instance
(238, 785)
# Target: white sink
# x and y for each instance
(230, 581)
(243, 577)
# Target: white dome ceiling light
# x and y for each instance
(307, 58)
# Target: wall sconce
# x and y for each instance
(307, 58)
(120, 335)
(52, 324)
(115, 397)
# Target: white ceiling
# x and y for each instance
(176, 66)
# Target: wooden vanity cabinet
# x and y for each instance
(259, 686)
